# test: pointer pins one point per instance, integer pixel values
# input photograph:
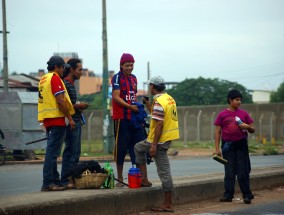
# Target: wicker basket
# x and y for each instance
(90, 180)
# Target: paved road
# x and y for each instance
(20, 179)
(270, 208)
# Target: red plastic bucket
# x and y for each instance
(134, 178)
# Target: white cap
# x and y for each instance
(156, 80)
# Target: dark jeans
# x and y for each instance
(126, 136)
(72, 151)
(55, 138)
(238, 165)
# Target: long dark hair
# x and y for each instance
(73, 64)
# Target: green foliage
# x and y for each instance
(270, 150)
(278, 96)
(193, 145)
(95, 100)
(253, 148)
(208, 91)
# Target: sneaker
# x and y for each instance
(225, 199)
(52, 187)
(247, 200)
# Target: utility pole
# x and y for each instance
(5, 50)
(148, 77)
(106, 117)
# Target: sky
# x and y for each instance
(235, 40)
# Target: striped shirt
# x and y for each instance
(128, 89)
(158, 111)
(69, 84)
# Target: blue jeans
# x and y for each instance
(55, 138)
(238, 165)
(72, 151)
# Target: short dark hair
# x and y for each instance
(50, 68)
(159, 88)
(73, 63)
(233, 94)
(55, 61)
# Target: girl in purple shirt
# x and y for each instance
(232, 126)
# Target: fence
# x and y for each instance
(196, 123)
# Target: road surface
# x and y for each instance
(27, 178)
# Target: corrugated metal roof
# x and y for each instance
(21, 81)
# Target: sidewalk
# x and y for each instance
(124, 200)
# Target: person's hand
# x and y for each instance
(83, 105)
(218, 152)
(243, 126)
(134, 108)
(146, 100)
(153, 151)
(72, 124)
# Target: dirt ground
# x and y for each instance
(214, 206)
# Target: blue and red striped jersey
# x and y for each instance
(128, 89)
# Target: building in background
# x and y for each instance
(21, 83)
(89, 83)
(261, 96)
(67, 55)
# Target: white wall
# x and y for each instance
(261, 96)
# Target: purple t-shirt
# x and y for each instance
(229, 127)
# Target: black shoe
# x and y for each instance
(247, 200)
(52, 187)
(225, 199)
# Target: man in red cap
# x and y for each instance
(124, 89)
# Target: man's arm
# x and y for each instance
(121, 102)
(148, 104)
(217, 140)
(63, 108)
(81, 106)
(157, 135)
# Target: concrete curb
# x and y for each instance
(123, 201)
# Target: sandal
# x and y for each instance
(119, 184)
(163, 209)
(146, 184)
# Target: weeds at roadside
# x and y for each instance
(270, 150)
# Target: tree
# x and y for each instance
(208, 91)
(95, 100)
(278, 96)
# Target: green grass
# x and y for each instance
(270, 150)
(193, 145)
(254, 147)
(92, 148)
(95, 147)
